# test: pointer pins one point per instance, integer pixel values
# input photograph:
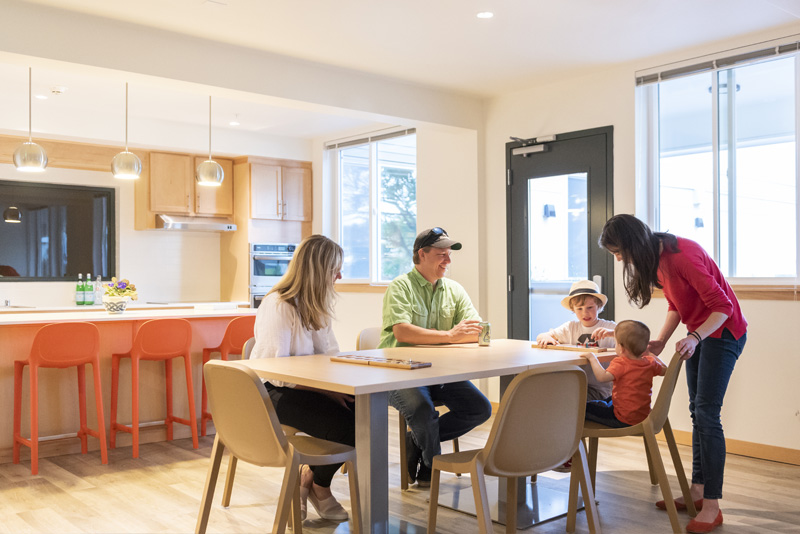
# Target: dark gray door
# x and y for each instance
(559, 195)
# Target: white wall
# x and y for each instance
(763, 401)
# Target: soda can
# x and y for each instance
(485, 337)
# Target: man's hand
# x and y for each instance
(465, 332)
(546, 339)
(341, 398)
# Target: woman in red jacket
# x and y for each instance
(699, 297)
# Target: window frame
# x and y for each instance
(648, 201)
(334, 165)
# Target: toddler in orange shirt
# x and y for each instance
(632, 373)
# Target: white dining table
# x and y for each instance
(370, 385)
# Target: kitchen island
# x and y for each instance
(58, 398)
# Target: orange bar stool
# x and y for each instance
(156, 340)
(236, 335)
(60, 346)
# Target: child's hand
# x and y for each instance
(602, 333)
(588, 356)
(546, 339)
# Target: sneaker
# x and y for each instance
(424, 476)
(566, 468)
(413, 457)
(328, 508)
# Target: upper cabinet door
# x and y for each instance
(296, 184)
(171, 183)
(265, 192)
(212, 200)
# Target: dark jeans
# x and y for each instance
(468, 408)
(317, 415)
(602, 411)
(707, 374)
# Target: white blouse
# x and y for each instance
(280, 333)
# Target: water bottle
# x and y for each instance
(98, 290)
(88, 291)
(79, 298)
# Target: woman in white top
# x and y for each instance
(294, 319)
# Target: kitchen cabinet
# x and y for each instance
(173, 189)
(280, 192)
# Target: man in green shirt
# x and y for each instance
(424, 307)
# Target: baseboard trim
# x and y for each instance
(746, 448)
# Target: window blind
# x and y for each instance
(331, 145)
(723, 62)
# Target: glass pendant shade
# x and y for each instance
(12, 215)
(210, 173)
(126, 166)
(30, 157)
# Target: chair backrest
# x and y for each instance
(368, 338)
(244, 417)
(660, 410)
(164, 338)
(65, 345)
(248, 348)
(237, 333)
(538, 424)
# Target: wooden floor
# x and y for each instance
(159, 493)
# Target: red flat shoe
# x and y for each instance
(698, 504)
(698, 527)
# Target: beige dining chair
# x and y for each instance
(367, 339)
(246, 423)
(647, 429)
(537, 427)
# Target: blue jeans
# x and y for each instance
(468, 408)
(602, 411)
(707, 374)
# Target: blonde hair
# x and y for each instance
(308, 283)
(633, 335)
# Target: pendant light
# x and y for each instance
(12, 215)
(209, 172)
(126, 165)
(30, 157)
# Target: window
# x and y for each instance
(722, 156)
(377, 215)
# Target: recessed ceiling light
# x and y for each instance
(41, 97)
(485, 15)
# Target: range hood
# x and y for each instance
(200, 224)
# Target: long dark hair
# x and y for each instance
(640, 249)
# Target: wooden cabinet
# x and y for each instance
(173, 189)
(280, 192)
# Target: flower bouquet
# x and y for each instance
(117, 295)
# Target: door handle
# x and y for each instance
(597, 279)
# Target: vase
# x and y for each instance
(115, 304)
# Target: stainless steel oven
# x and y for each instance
(268, 263)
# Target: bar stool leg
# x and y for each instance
(34, 377)
(168, 369)
(135, 401)
(204, 415)
(82, 408)
(187, 360)
(112, 431)
(101, 419)
(19, 366)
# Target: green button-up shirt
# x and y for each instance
(410, 299)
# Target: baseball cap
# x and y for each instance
(435, 237)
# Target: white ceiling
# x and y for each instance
(438, 43)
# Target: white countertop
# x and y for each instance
(141, 312)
